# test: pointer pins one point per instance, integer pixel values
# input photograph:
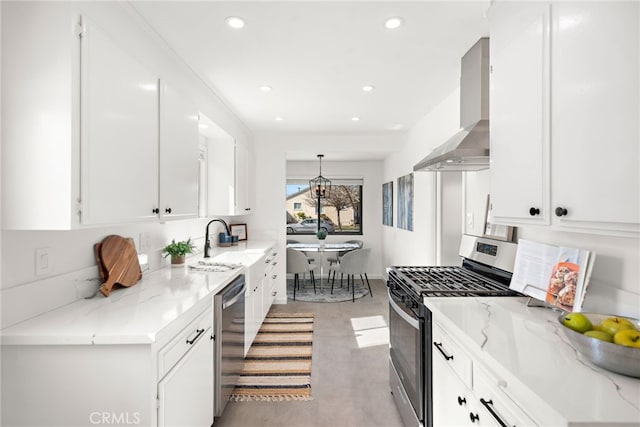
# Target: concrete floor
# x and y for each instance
(349, 374)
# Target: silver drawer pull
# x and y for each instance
(489, 405)
(438, 345)
(199, 332)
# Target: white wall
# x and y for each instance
(436, 195)
(272, 169)
(369, 171)
(73, 264)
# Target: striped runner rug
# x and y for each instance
(278, 364)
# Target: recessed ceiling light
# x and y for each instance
(355, 119)
(235, 22)
(368, 88)
(279, 118)
(266, 88)
(393, 23)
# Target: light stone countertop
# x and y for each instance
(526, 347)
(135, 315)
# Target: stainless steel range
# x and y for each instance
(486, 270)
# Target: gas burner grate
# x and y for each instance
(450, 281)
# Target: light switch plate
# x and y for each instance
(144, 242)
(43, 261)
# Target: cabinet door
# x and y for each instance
(119, 133)
(186, 393)
(221, 176)
(519, 111)
(596, 110)
(453, 402)
(495, 406)
(243, 204)
(179, 164)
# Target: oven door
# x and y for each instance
(406, 358)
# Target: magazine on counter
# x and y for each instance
(555, 274)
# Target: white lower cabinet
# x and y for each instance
(185, 394)
(453, 401)
(495, 406)
(168, 382)
(466, 392)
(259, 295)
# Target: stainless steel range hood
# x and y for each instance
(468, 149)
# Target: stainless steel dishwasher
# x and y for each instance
(229, 340)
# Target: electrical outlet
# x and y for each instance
(470, 219)
(144, 242)
(43, 261)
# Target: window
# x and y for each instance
(340, 213)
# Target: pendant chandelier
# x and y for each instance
(320, 187)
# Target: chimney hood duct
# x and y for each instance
(468, 149)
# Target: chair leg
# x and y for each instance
(313, 280)
(295, 283)
(353, 288)
(368, 285)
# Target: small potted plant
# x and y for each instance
(178, 251)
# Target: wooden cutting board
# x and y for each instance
(117, 263)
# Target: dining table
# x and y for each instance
(321, 249)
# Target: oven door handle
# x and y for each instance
(410, 320)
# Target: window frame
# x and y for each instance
(303, 185)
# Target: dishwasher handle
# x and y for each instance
(233, 293)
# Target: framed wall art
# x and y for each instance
(387, 203)
(405, 202)
(239, 230)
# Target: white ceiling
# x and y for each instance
(317, 56)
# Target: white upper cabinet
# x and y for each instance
(179, 153)
(519, 111)
(596, 115)
(228, 172)
(88, 139)
(119, 133)
(40, 116)
(565, 113)
(243, 204)
(221, 185)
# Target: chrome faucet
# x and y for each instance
(207, 244)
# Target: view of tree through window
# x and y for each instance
(340, 212)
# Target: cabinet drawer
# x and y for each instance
(445, 347)
(494, 402)
(200, 328)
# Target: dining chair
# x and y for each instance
(352, 263)
(310, 259)
(297, 264)
(339, 255)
